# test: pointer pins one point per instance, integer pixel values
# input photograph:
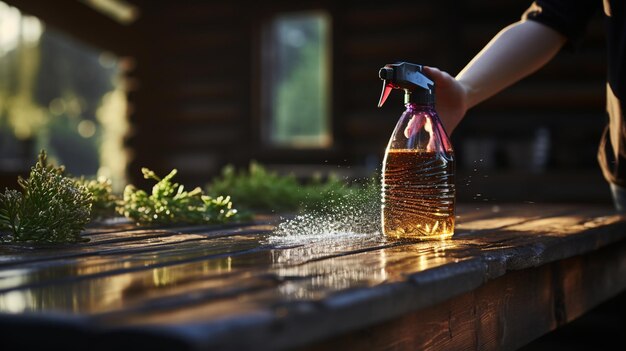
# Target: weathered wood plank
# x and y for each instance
(505, 313)
(333, 269)
(206, 287)
(144, 273)
(183, 253)
(52, 274)
(113, 243)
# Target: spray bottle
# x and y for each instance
(418, 169)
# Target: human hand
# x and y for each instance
(450, 97)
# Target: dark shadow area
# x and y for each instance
(602, 328)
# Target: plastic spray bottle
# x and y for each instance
(418, 169)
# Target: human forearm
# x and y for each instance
(517, 51)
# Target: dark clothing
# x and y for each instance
(570, 18)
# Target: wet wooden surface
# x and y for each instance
(510, 274)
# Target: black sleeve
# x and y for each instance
(568, 17)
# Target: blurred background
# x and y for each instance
(110, 86)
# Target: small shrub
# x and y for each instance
(51, 208)
(169, 203)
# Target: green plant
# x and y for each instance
(169, 203)
(103, 200)
(51, 208)
(258, 189)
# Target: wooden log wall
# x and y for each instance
(190, 102)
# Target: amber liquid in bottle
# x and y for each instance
(418, 193)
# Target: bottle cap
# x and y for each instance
(408, 76)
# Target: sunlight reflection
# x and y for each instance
(555, 225)
(491, 223)
(15, 28)
(320, 278)
(119, 10)
(14, 301)
(563, 225)
(113, 156)
(12, 277)
(106, 293)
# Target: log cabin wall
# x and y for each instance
(191, 104)
(196, 84)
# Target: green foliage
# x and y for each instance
(51, 208)
(169, 203)
(103, 201)
(258, 189)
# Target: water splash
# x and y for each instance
(353, 217)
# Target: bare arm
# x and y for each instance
(517, 51)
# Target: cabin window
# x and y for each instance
(295, 79)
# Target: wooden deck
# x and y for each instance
(510, 274)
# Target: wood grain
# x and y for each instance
(510, 274)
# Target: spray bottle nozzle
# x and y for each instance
(407, 76)
(385, 73)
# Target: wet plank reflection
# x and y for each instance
(205, 274)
